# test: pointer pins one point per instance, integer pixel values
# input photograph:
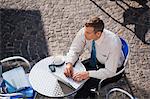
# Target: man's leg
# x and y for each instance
(89, 84)
(85, 90)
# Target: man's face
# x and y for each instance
(90, 33)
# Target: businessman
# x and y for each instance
(106, 55)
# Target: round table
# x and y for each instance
(44, 82)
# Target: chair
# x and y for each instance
(121, 92)
(21, 94)
(120, 73)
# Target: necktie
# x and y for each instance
(93, 55)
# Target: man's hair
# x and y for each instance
(96, 23)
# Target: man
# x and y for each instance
(106, 55)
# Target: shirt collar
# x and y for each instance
(99, 41)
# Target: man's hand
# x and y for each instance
(68, 70)
(81, 76)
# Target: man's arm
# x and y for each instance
(76, 48)
(75, 51)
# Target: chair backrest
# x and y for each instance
(125, 47)
(125, 50)
(118, 75)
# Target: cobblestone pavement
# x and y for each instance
(36, 29)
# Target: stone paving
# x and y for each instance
(36, 29)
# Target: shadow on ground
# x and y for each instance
(22, 34)
(139, 17)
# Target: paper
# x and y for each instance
(69, 81)
(16, 78)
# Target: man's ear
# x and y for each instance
(98, 34)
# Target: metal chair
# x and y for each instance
(122, 94)
(120, 74)
(20, 94)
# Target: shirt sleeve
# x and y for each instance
(76, 48)
(111, 64)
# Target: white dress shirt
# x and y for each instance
(108, 52)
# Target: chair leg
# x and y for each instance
(126, 79)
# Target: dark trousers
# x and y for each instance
(90, 83)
